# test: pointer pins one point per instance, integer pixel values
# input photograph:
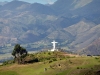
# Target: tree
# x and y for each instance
(19, 53)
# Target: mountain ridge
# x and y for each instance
(25, 23)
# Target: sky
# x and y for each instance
(35, 1)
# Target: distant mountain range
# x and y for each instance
(73, 23)
(3, 3)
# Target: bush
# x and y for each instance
(50, 61)
(5, 63)
(96, 58)
(44, 52)
(70, 61)
(78, 68)
(47, 58)
(49, 53)
(54, 59)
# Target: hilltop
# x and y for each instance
(55, 63)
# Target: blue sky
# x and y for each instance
(34, 1)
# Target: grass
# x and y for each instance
(8, 73)
(66, 66)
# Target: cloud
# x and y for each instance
(50, 1)
(37, 1)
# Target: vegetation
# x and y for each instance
(19, 53)
(53, 63)
(8, 73)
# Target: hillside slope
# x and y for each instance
(73, 23)
(55, 64)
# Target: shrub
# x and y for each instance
(49, 53)
(47, 58)
(54, 59)
(70, 61)
(96, 58)
(50, 61)
(5, 63)
(44, 52)
(36, 60)
(78, 68)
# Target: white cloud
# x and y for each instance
(38, 1)
(50, 1)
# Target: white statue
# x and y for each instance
(54, 45)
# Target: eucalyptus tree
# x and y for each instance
(19, 53)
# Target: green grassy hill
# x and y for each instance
(55, 63)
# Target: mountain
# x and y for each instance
(92, 49)
(94, 46)
(85, 34)
(0, 6)
(3, 3)
(78, 8)
(13, 5)
(73, 23)
(41, 9)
